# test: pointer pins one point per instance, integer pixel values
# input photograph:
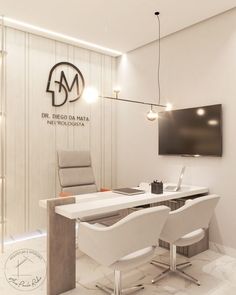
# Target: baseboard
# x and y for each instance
(222, 249)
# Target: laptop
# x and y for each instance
(128, 191)
(175, 188)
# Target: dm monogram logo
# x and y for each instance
(64, 87)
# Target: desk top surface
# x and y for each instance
(105, 202)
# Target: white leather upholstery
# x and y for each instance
(81, 189)
(134, 259)
(191, 238)
(117, 245)
(75, 172)
(71, 159)
(192, 216)
(186, 226)
(76, 176)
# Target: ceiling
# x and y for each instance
(122, 25)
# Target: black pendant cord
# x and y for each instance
(134, 101)
(159, 57)
(158, 78)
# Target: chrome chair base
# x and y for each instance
(178, 271)
(127, 291)
(117, 286)
(173, 268)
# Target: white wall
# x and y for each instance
(198, 67)
(31, 144)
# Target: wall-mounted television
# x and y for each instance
(193, 131)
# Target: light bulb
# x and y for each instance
(152, 115)
(169, 106)
(90, 94)
(117, 89)
(201, 112)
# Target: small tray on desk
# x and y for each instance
(128, 191)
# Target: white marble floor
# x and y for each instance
(216, 272)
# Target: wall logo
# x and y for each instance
(76, 87)
(25, 270)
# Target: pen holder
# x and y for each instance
(157, 187)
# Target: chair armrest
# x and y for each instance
(104, 189)
(65, 194)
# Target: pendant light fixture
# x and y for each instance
(152, 115)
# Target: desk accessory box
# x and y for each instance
(157, 187)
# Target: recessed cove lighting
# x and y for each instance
(23, 239)
(36, 29)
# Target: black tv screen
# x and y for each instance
(194, 131)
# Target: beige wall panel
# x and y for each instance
(81, 107)
(16, 86)
(71, 106)
(114, 127)
(62, 136)
(107, 119)
(41, 153)
(95, 121)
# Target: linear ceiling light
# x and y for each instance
(35, 29)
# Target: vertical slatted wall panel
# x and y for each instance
(16, 190)
(31, 143)
(41, 137)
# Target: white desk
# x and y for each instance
(105, 202)
(61, 216)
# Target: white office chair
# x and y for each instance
(127, 244)
(76, 177)
(186, 226)
(75, 172)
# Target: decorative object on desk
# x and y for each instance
(157, 187)
(152, 115)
